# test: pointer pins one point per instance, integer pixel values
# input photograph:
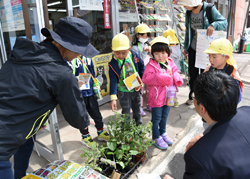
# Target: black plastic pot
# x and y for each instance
(125, 173)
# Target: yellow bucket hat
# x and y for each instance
(120, 42)
(222, 46)
(170, 34)
(142, 29)
(160, 39)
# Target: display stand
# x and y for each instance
(52, 129)
(156, 16)
(179, 26)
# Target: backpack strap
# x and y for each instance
(209, 12)
(229, 70)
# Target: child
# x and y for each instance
(220, 56)
(175, 52)
(142, 47)
(160, 73)
(197, 17)
(123, 64)
(85, 65)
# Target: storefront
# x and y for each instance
(25, 18)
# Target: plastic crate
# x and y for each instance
(248, 48)
(235, 47)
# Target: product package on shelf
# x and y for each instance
(181, 26)
(180, 9)
(161, 7)
(146, 5)
(65, 169)
(181, 17)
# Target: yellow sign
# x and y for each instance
(102, 71)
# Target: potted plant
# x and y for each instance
(92, 156)
(143, 140)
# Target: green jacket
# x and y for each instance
(219, 23)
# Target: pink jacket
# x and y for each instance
(158, 82)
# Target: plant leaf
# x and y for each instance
(133, 152)
(111, 145)
(121, 164)
(119, 153)
(125, 147)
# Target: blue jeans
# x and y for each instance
(6, 170)
(159, 120)
(21, 158)
(130, 100)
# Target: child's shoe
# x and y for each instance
(167, 139)
(160, 143)
(104, 136)
(189, 102)
(142, 112)
(149, 108)
(88, 141)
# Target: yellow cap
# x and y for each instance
(170, 34)
(142, 29)
(222, 46)
(160, 39)
(120, 42)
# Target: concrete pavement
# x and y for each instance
(181, 120)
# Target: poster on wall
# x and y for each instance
(203, 42)
(127, 11)
(107, 23)
(102, 71)
(93, 5)
(11, 15)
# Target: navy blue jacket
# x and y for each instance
(224, 152)
(90, 69)
(114, 71)
(32, 82)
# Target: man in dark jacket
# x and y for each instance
(223, 150)
(35, 79)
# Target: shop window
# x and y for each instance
(93, 13)
(18, 20)
(128, 18)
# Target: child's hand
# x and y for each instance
(148, 49)
(138, 88)
(113, 105)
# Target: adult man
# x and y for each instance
(198, 16)
(224, 150)
(35, 79)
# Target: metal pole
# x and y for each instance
(69, 8)
(115, 17)
(2, 45)
(136, 8)
(233, 19)
(243, 31)
(229, 18)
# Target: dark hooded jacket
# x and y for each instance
(32, 82)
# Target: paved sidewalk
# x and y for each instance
(180, 121)
(243, 62)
